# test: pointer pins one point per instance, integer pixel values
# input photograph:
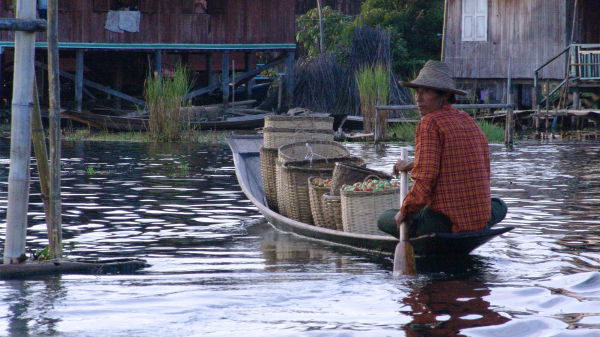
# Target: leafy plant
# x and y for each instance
(493, 132)
(90, 171)
(403, 131)
(308, 34)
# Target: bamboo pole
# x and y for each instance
(20, 144)
(55, 205)
(320, 26)
(41, 154)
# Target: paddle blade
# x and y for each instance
(404, 259)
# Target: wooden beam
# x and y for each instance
(24, 25)
(98, 86)
(78, 79)
(289, 78)
(225, 77)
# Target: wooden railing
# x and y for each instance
(509, 125)
(582, 64)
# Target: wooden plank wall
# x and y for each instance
(237, 21)
(530, 32)
(348, 7)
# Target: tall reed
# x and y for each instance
(373, 88)
(164, 99)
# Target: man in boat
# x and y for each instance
(451, 170)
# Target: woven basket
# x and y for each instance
(305, 122)
(281, 203)
(292, 184)
(345, 173)
(268, 161)
(315, 195)
(332, 208)
(312, 149)
(277, 137)
(360, 210)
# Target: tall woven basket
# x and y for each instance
(360, 210)
(315, 194)
(268, 161)
(332, 208)
(292, 184)
(277, 137)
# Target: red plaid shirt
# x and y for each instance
(452, 170)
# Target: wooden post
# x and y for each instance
(118, 81)
(377, 134)
(20, 144)
(1, 71)
(78, 79)
(157, 63)
(55, 209)
(279, 92)
(225, 77)
(250, 82)
(209, 69)
(509, 128)
(289, 77)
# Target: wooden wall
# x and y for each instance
(529, 32)
(231, 21)
(349, 7)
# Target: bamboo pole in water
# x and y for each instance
(55, 205)
(41, 154)
(20, 144)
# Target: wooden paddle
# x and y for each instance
(404, 257)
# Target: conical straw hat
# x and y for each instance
(435, 75)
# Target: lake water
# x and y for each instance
(216, 269)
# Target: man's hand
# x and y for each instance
(403, 165)
(400, 218)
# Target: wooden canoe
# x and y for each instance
(246, 158)
(122, 123)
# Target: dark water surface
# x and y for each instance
(218, 270)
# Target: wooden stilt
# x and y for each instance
(157, 63)
(20, 144)
(250, 83)
(225, 77)
(289, 83)
(55, 209)
(118, 82)
(209, 69)
(78, 79)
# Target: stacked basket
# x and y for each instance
(283, 130)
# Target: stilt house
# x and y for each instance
(108, 46)
(546, 44)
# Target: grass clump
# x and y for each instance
(165, 95)
(493, 132)
(373, 89)
(403, 131)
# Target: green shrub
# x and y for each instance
(494, 133)
(403, 131)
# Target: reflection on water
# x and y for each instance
(218, 269)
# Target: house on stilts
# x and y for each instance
(547, 50)
(107, 47)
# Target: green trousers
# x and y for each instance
(427, 221)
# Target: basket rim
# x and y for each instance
(365, 170)
(303, 117)
(300, 131)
